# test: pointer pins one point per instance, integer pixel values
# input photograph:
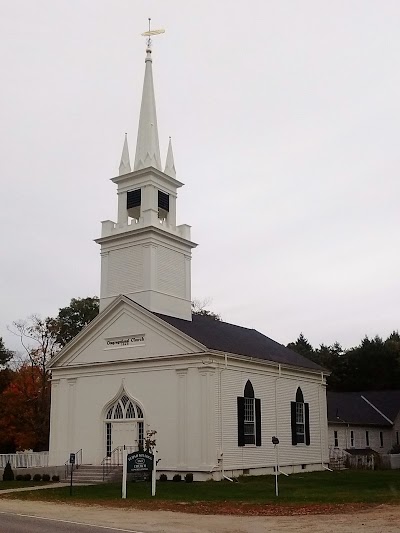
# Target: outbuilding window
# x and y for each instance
(300, 418)
(249, 418)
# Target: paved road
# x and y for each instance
(20, 523)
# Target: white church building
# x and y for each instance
(216, 393)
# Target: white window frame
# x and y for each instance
(351, 439)
(335, 439)
(300, 423)
(249, 421)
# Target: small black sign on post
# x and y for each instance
(71, 462)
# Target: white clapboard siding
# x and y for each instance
(275, 419)
(125, 270)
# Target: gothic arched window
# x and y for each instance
(300, 418)
(249, 417)
(123, 409)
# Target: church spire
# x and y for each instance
(169, 163)
(147, 147)
(125, 165)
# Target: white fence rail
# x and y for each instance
(25, 460)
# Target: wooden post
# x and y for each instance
(124, 472)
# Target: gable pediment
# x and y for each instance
(125, 331)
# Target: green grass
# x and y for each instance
(19, 484)
(317, 487)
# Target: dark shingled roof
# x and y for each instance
(350, 408)
(387, 401)
(224, 337)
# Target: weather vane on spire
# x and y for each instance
(151, 32)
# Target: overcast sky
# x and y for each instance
(285, 119)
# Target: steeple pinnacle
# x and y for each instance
(169, 163)
(125, 165)
(147, 147)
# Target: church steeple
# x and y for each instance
(147, 147)
(145, 255)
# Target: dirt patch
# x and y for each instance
(234, 508)
(345, 520)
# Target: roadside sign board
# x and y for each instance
(139, 462)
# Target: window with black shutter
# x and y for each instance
(249, 418)
(163, 205)
(300, 420)
(133, 203)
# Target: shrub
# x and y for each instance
(55, 478)
(189, 477)
(177, 478)
(163, 477)
(46, 477)
(27, 477)
(37, 477)
(19, 477)
(8, 474)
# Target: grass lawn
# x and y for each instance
(308, 488)
(19, 484)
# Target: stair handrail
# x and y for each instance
(114, 458)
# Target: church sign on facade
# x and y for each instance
(122, 342)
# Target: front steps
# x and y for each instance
(94, 474)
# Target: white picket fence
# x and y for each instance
(25, 459)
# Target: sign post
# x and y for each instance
(124, 471)
(138, 462)
(71, 462)
(275, 442)
(153, 479)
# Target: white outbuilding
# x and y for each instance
(216, 393)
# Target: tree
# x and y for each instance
(199, 308)
(302, 346)
(5, 354)
(27, 398)
(71, 319)
(25, 410)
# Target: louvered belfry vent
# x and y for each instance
(163, 201)
(134, 198)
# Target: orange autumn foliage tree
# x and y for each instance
(25, 409)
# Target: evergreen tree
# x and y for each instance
(8, 474)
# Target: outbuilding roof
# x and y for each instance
(225, 337)
(355, 407)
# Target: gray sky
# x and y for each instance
(285, 119)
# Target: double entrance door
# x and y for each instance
(123, 434)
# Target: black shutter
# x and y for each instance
(133, 198)
(307, 423)
(163, 201)
(293, 421)
(240, 420)
(258, 421)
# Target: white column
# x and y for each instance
(207, 406)
(182, 416)
(122, 210)
(54, 418)
(71, 424)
